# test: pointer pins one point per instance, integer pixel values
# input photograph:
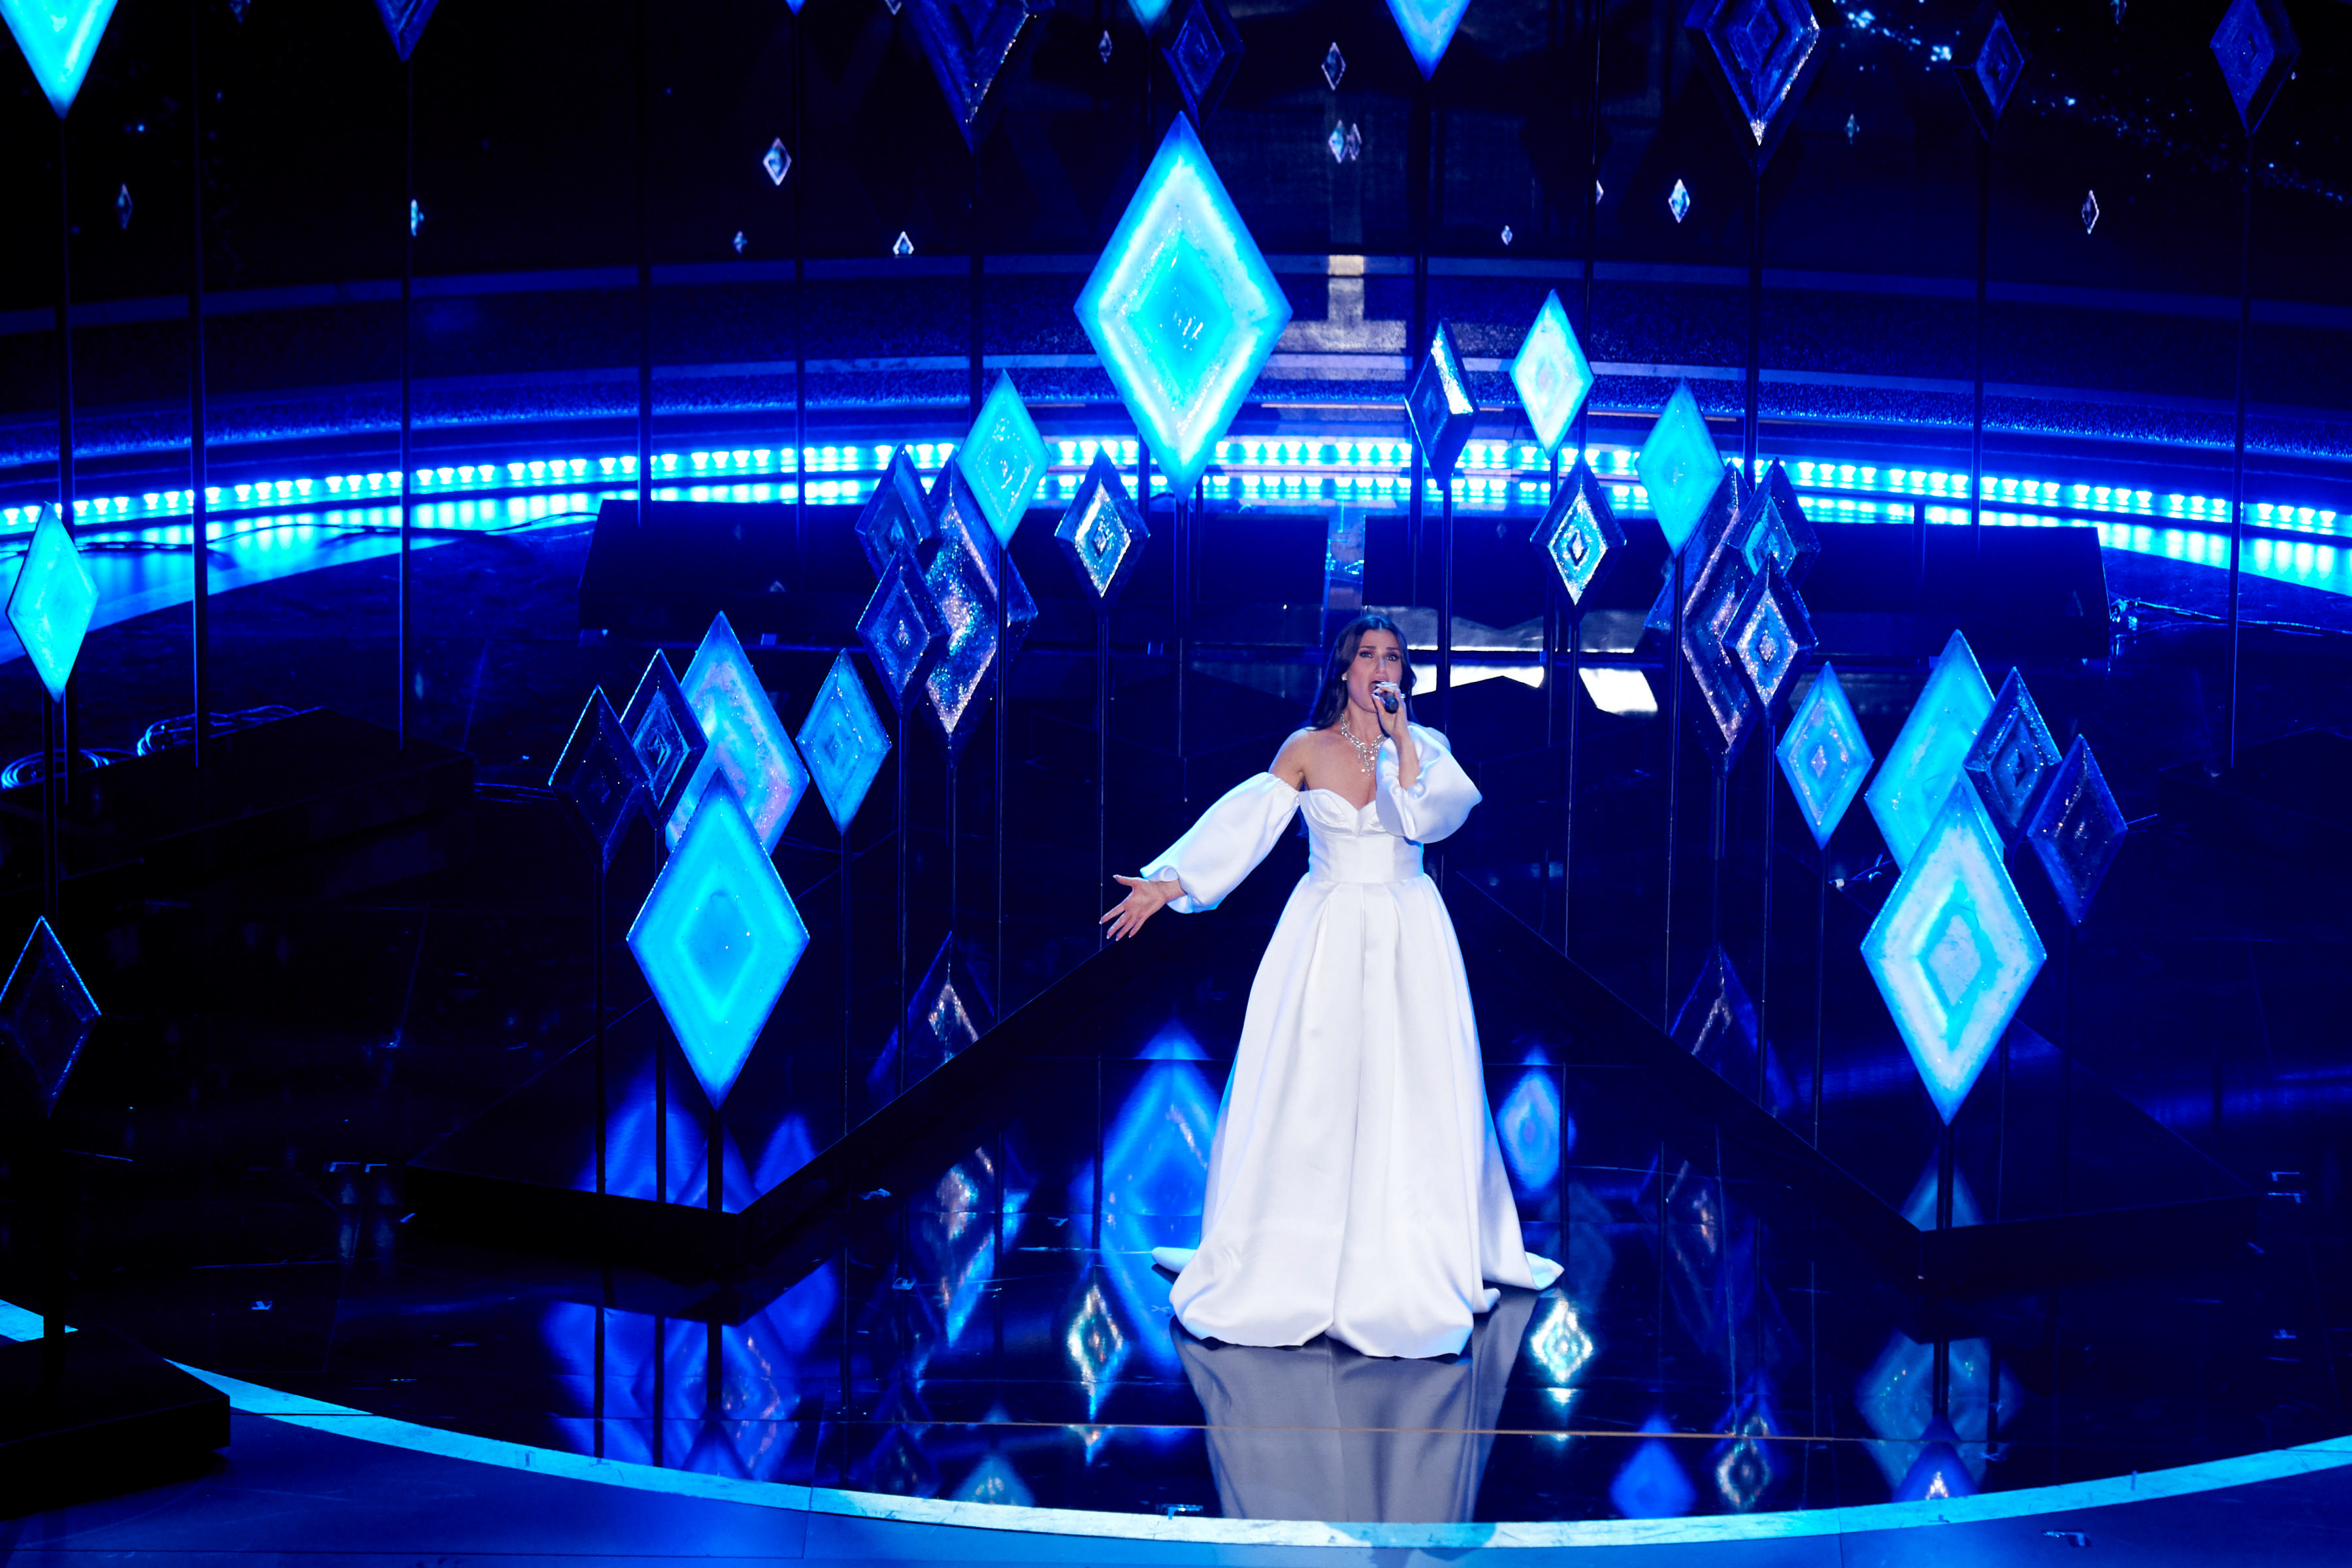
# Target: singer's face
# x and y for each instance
(1378, 657)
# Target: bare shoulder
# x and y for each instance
(1290, 763)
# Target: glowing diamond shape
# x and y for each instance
(599, 777)
(718, 938)
(2256, 47)
(1717, 1025)
(1552, 374)
(405, 20)
(665, 735)
(844, 741)
(52, 605)
(1003, 458)
(46, 1012)
(1102, 534)
(1428, 28)
(1438, 405)
(1952, 950)
(59, 38)
(1679, 466)
(1928, 754)
(1203, 54)
(1708, 627)
(2090, 211)
(1183, 307)
(2013, 759)
(747, 744)
(1766, 52)
(1771, 633)
(1335, 66)
(1148, 12)
(1775, 529)
(948, 1012)
(1989, 64)
(1651, 1485)
(1579, 534)
(971, 44)
(962, 581)
(896, 516)
(776, 160)
(1823, 756)
(1678, 201)
(902, 630)
(2077, 830)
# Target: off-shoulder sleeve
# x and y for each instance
(1226, 844)
(1439, 801)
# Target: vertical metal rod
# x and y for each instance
(1445, 606)
(604, 1095)
(596, 1387)
(52, 846)
(60, 760)
(1573, 694)
(1420, 159)
(714, 1165)
(800, 361)
(1977, 407)
(1754, 328)
(1945, 1164)
(1002, 661)
(199, 552)
(408, 390)
(1181, 543)
(848, 981)
(2237, 443)
(905, 1005)
(1102, 760)
(1671, 670)
(645, 269)
(661, 1121)
(1764, 944)
(1820, 957)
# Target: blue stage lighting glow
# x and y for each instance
(1952, 949)
(1652, 1484)
(1824, 756)
(666, 736)
(599, 777)
(59, 38)
(1744, 1471)
(1428, 28)
(963, 582)
(46, 1012)
(747, 744)
(53, 601)
(1438, 405)
(1897, 1399)
(718, 938)
(2013, 759)
(1551, 374)
(844, 742)
(2077, 830)
(1003, 458)
(994, 1480)
(1528, 1125)
(1182, 307)
(1928, 754)
(1771, 632)
(1557, 1343)
(1939, 1471)
(1097, 1347)
(1102, 534)
(1710, 620)
(1680, 466)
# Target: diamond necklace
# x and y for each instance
(1368, 753)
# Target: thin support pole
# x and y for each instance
(1977, 405)
(1445, 605)
(1671, 670)
(1102, 758)
(1764, 944)
(199, 543)
(604, 1094)
(906, 1018)
(1573, 692)
(2238, 444)
(848, 981)
(646, 267)
(407, 391)
(61, 759)
(714, 1165)
(1181, 541)
(1753, 412)
(1821, 958)
(800, 355)
(661, 1121)
(996, 796)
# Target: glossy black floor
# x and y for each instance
(983, 1322)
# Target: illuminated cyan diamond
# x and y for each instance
(962, 580)
(1337, 143)
(1952, 950)
(718, 938)
(1775, 529)
(1989, 64)
(1652, 1485)
(599, 777)
(2013, 759)
(1771, 633)
(1527, 1126)
(902, 245)
(1097, 1347)
(666, 735)
(844, 742)
(970, 45)
(1580, 533)
(747, 744)
(1428, 26)
(1678, 201)
(1183, 307)
(1148, 12)
(1767, 50)
(896, 516)
(1438, 405)
(2256, 46)
(46, 1012)
(902, 629)
(52, 605)
(1103, 47)
(1202, 55)
(2077, 830)
(1559, 1345)
(1102, 534)
(1552, 374)
(59, 37)
(1823, 756)
(1679, 466)
(1928, 754)
(1709, 624)
(776, 160)
(1003, 458)
(1718, 1025)
(405, 20)
(1335, 66)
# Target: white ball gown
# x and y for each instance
(1355, 1187)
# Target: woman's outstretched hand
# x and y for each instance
(1143, 901)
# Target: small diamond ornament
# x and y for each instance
(1335, 66)
(776, 161)
(46, 1012)
(1678, 201)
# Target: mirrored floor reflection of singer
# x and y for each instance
(1319, 1432)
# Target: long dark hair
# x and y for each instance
(1331, 697)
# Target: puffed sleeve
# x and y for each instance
(1226, 844)
(1439, 801)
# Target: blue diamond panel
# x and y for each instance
(59, 38)
(1183, 307)
(1992, 70)
(1003, 458)
(1428, 28)
(901, 628)
(1551, 374)
(1928, 756)
(2013, 759)
(405, 20)
(52, 605)
(1765, 49)
(1952, 950)
(1438, 405)
(1708, 625)
(962, 580)
(1771, 633)
(948, 1012)
(1203, 54)
(718, 938)
(748, 747)
(1775, 529)
(844, 742)
(1579, 534)
(896, 518)
(970, 45)
(665, 735)
(46, 1013)
(1823, 756)
(1717, 1025)
(2077, 830)
(2256, 47)
(1679, 466)
(1102, 534)
(599, 777)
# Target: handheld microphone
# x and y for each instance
(1389, 701)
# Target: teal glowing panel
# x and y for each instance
(2077, 830)
(2013, 759)
(1823, 756)
(844, 742)
(1003, 458)
(1679, 466)
(1428, 28)
(1952, 949)
(59, 38)
(1102, 534)
(52, 605)
(1149, 12)
(1182, 308)
(1929, 754)
(718, 938)
(46, 1013)
(1551, 374)
(748, 747)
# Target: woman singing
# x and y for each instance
(1355, 1185)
